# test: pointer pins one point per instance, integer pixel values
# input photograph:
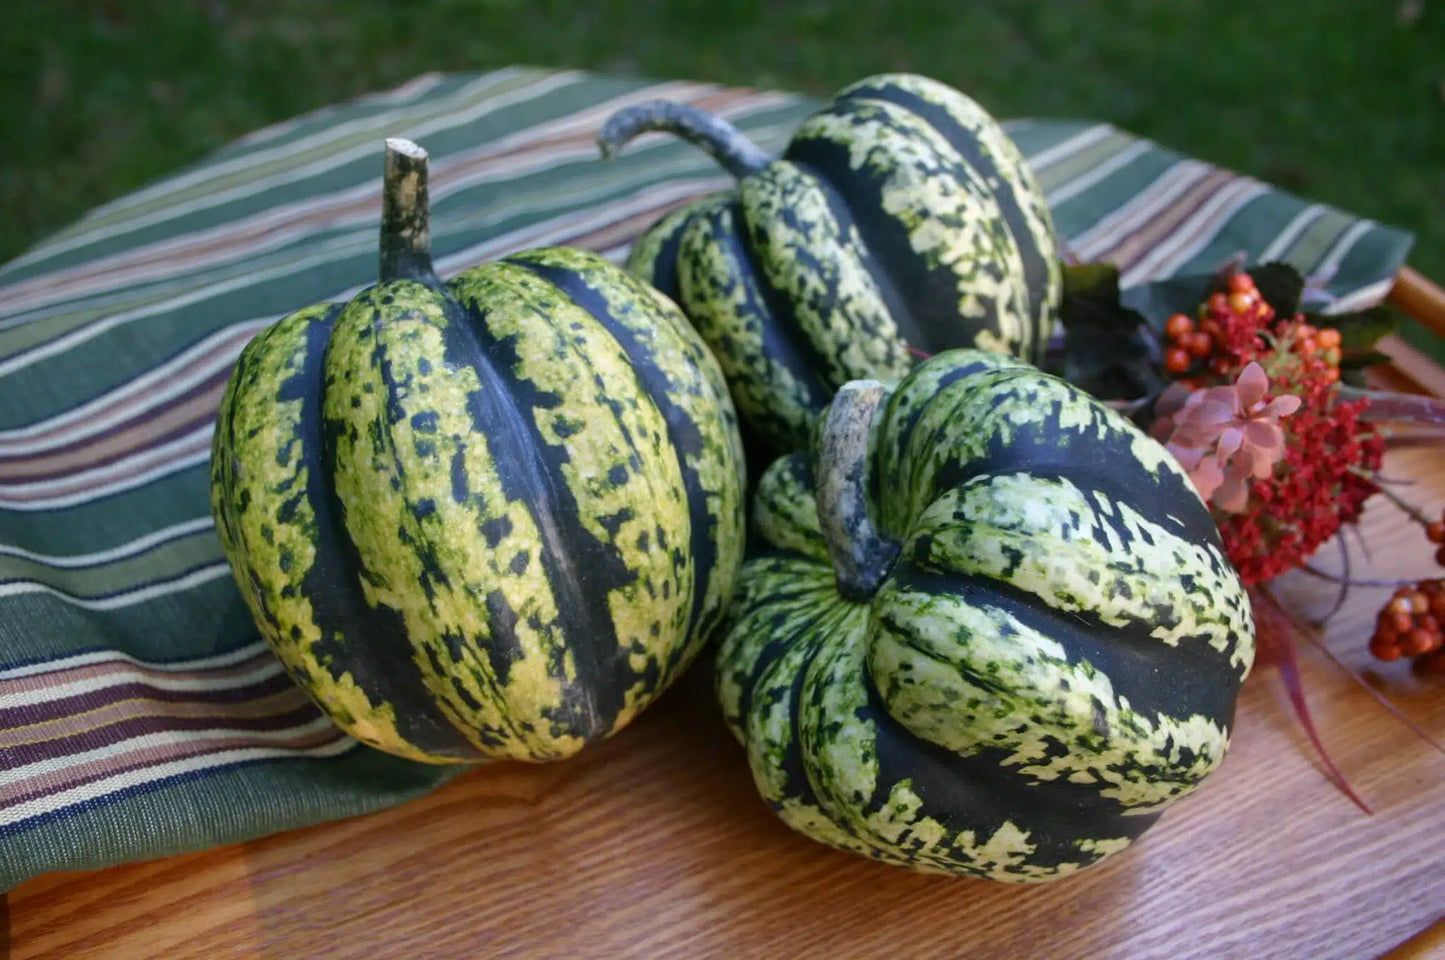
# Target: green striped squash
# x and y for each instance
(899, 216)
(988, 628)
(492, 517)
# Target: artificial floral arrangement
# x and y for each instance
(976, 617)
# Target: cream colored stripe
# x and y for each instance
(90, 658)
(128, 598)
(96, 790)
(1292, 230)
(1165, 189)
(136, 470)
(507, 158)
(103, 223)
(410, 128)
(411, 90)
(120, 552)
(1076, 186)
(1065, 148)
(264, 670)
(135, 397)
(1191, 236)
(1343, 246)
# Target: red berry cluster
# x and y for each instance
(1228, 336)
(1321, 481)
(1411, 623)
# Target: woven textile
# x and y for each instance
(140, 714)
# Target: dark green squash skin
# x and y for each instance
(900, 215)
(489, 518)
(1051, 659)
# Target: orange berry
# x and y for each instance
(1383, 649)
(1332, 374)
(1415, 643)
(1419, 603)
(1328, 337)
(1176, 360)
(1212, 328)
(1199, 343)
(1241, 283)
(1179, 326)
(1305, 330)
(1435, 532)
(1306, 347)
(1402, 622)
(1240, 302)
(1218, 304)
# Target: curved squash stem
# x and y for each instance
(861, 556)
(406, 215)
(723, 141)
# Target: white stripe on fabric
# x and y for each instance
(122, 551)
(393, 120)
(1195, 233)
(1072, 188)
(127, 598)
(411, 128)
(179, 374)
(1297, 225)
(75, 661)
(1066, 148)
(263, 671)
(144, 776)
(1171, 183)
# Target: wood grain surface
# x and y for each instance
(656, 845)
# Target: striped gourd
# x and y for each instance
(492, 517)
(988, 628)
(899, 216)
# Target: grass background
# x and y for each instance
(1342, 101)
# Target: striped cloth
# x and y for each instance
(139, 713)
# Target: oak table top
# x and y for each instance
(656, 845)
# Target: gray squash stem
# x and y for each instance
(861, 556)
(723, 141)
(406, 215)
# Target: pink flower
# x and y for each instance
(1237, 424)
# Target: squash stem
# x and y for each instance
(406, 215)
(861, 556)
(723, 141)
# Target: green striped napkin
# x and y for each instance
(140, 715)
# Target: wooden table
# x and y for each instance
(656, 845)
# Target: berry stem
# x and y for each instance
(1405, 506)
(1352, 581)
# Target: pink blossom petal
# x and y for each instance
(1263, 467)
(1252, 385)
(1206, 477)
(1208, 412)
(1229, 441)
(1172, 400)
(1188, 457)
(1232, 494)
(1263, 435)
(1283, 406)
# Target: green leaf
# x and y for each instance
(1159, 301)
(1106, 351)
(1281, 285)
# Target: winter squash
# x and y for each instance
(989, 628)
(491, 517)
(900, 216)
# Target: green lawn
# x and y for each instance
(1339, 100)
